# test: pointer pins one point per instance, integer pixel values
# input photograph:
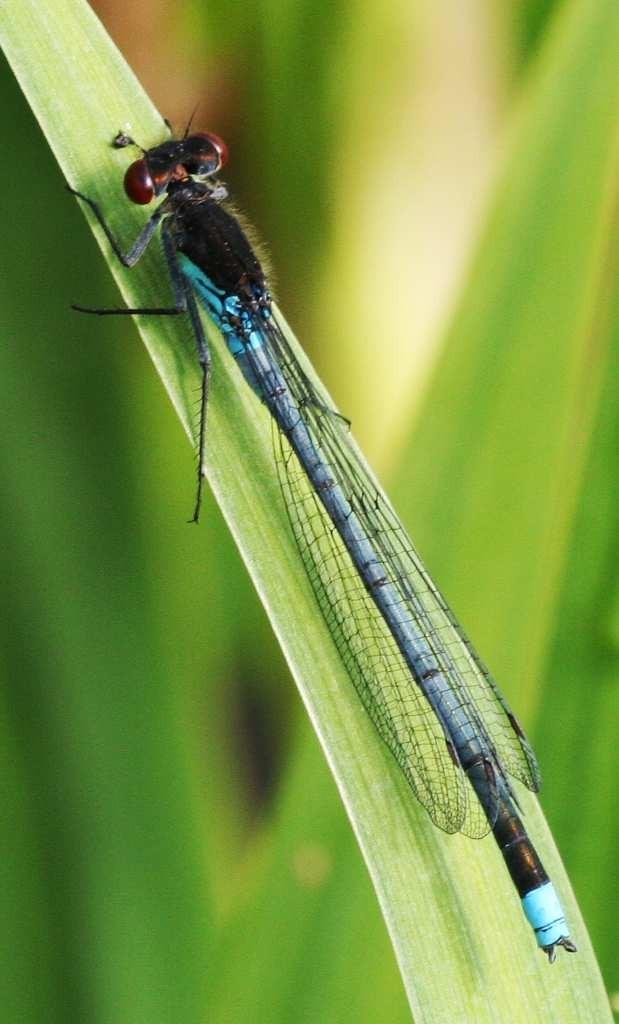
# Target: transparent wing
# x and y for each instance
(402, 715)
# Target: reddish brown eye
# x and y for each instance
(221, 148)
(218, 145)
(138, 183)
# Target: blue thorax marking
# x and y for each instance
(223, 308)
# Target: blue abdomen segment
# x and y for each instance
(545, 915)
(228, 311)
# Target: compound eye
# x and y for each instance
(221, 148)
(138, 183)
(218, 145)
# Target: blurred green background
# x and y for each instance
(168, 805)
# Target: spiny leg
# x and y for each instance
(204, 356)
(130, 258)
(169, 250)
(184, 302)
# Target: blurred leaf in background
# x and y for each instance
(365, 142)
(527, 385)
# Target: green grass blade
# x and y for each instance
(464, 950)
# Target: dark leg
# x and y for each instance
(130, 258)
(312, 403)
(129, 311)
(204, 356)
(184, 302)
(176, 275)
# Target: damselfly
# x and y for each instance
(430, 697)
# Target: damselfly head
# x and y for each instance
(201, 154)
